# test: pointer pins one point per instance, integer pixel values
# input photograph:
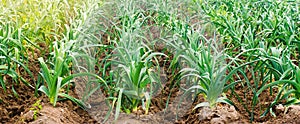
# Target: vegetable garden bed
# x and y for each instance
(149, 61)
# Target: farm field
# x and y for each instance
(149, 61)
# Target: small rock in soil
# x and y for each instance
(28, 116)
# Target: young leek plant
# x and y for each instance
(58, 75)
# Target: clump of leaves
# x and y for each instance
(13, 56)
(134, 78)
(58, 75)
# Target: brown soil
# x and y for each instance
(19, 110)
(224, 114)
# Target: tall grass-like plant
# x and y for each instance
(269, 67)
(58, 74)
(206, 67)
(74, 44)
(209, 69)
(134, 71)
(43, 20)
(245, 25)
(268, 26)
(13, 56)
(135, 74)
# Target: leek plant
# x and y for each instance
(134, 78)
(13, 56)
(268, 26)
(43, 20)
(281, 72)
(134, 74)
(205, 69)
(58, 74)
(245, 25)
(273, 69)
(73, 45)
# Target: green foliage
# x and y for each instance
(271, 28)
(43, 20)
(58, 75)
(134, 72)
(214, 44)
(36, 107)
(13, 55)
(135, 76)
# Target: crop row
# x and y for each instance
(123, 47)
